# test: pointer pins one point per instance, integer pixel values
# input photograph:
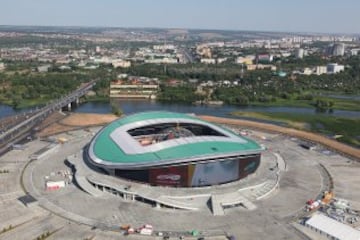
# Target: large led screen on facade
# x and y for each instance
(204, 174)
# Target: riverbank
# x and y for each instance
(342, 104)
(83, 120)
(32, 103)
(347, 130)
(24, 103)
(338, 103)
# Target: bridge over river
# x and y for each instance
(16, 128)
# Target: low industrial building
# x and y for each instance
(331, 228)
(334, 68)
(121, 89)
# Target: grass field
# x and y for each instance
(339, 104)
(347, 129)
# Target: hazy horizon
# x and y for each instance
(170, 28)
(259, 15)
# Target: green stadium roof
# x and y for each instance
(113, 146)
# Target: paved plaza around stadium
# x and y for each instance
(302, 174)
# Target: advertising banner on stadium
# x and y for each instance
(169, 176)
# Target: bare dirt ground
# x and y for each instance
(88, 119)
(80, 120)
(76, 121)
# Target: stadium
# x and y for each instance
(172, 149)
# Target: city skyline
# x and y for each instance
(259, 15)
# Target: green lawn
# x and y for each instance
(339, 104)
(95, 99)
(283, 103)
(32, 103)
(348, 128)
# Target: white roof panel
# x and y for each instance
(332, 227)
(130, 146)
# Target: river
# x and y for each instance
(133, 106)
(6, 111)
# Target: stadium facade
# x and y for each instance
(173, 149)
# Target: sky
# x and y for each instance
(324, 16)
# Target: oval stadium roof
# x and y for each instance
(115, 147)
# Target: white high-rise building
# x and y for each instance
(338, 49)
(299, 53)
